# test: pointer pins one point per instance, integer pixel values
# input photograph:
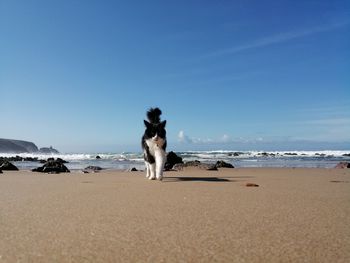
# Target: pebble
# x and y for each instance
(251, 185)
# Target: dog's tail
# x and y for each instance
(153, 115)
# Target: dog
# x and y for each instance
(154, 144)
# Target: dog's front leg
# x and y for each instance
(160, 157)
(152, 167)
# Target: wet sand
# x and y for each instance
(295, 215)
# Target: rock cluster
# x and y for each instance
(195, 163)
(222, 164)
(19, 159)
(204, 166)
(342, 165)
(53, 166)
(172, 159)
(7, 166)
(92, 169)
(235, 154)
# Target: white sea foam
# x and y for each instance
(225, 153)
(75, 156)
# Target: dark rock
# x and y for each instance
(235, 154)
(52, 166)
(172, 159)
(18, 159)
(93, 169)
(193, 163)
(133, 169)
(222, 164)
(61, 160)
(211, 168)
(53, 170)
(178, 166)
(291, 154)
(263, 154)
(342, 165)
(346, 155)
(38, 169)
(7, 166)
(196, 164)
(0, 172)
(98, 157)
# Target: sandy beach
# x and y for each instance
(295, 215)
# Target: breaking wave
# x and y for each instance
(126, 160)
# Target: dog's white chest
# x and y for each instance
(154, 146)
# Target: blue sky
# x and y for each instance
(240, 75)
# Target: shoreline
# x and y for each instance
(111, 170)
(250, 159)
(296, 214)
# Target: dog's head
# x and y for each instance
(155, 130)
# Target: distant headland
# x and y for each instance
(19, 146)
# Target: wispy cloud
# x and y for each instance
(325, 122)
(183, 138)
(327, 110)
(330, 122)
(276, 39)
(224, 139)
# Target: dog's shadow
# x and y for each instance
(210, 179)
(194, 179)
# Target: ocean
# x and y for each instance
(128, 160)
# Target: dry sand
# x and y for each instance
(295, 215)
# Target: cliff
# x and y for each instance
(18, 146)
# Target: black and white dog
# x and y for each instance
(154, 144)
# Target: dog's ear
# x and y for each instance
(163, 123)
(147, 124)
